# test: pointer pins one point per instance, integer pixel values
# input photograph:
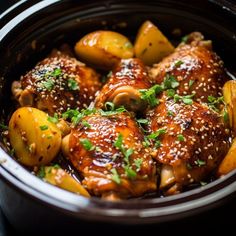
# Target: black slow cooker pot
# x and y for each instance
(28, 31)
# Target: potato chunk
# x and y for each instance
(36, 140)
(151, 45)
(229, 162)
(229, 92)
(58, 177)
(103, 49)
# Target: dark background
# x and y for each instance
(221, 220)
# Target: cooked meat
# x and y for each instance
(192, 142)
(108, 152)
(196, 67)
(122, 88)
(57, 83)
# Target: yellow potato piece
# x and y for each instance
(151, 46)
(229, 92)
(103, 49)
(58, 177)
(36, 140)
(229, 162)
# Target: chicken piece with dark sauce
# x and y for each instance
(122, 88)
(193, 141)
(108, 152)
(195, 66)
(56, 84)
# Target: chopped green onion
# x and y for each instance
(138, 163)
(86, 124)
(57, 72)
(115, 176)
(190, 83)
(72, 84)
(43, 127)
(185, 39)
(87, 144)
(170, 113)
(53, 119)
(4, 127)
(41, 173)
(178, 63)
(143, 121)
(199, 162)
(180, 137)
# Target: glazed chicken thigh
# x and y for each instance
(195, 66)
(122, 88)
(56, 84)
(109, 154)
(193, 141)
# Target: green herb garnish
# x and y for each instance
(12, 152)
(189, 166)
(184, 39)
(57, 72)
(41, 173)
(112, 112)
(225, 116)
(87, 144)
(199, 162)
(190, 83)
(43, 127)
(150, 94)
(143, 121)
(170, 82)
(180, 137)
(86, 124)
(170, 92)
(3, 127)
(170, 113)
(115, 176)
(185, 99)
(138, 163)
(146, 142)
(130, 173)
(54, 119)
(127, 153)
(72, 84)
(75, 116)
(155, 137)
(214, 102)
(156, 134)
(178, 63)
(48, 84)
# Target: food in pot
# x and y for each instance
(104, 49)
(196, 68)
(123, 85)
(137, 130)
(35, 140)
(229, 92)
(192, 141)
(55, 175)
(151, 46)
(107, 149)
(57, 83)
